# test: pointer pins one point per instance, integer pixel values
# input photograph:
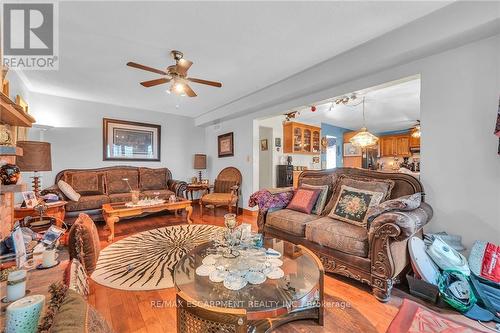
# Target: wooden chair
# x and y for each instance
(196, 317)
(226, 190)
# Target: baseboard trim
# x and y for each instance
(249, 212)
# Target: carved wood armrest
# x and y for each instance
(380, 253)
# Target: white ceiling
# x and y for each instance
(245, 45)
(390, 108)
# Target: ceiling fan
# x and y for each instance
(177, 74)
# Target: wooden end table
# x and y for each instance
(197, 188)
(113, 212)
(54, 209)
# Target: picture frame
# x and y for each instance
(351, 151)
(277, 142)
(125, 140)
(263, 145)
(225, 144)
(30, 200)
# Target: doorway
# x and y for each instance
(265, 157)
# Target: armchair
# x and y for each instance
(225, 192)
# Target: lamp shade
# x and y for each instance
(36, 156)
(200, 161)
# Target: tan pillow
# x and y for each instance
(68, 191)
(353, 204)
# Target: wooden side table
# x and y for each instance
(55, 209)
(196, 188)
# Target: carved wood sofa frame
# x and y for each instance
(388, 235)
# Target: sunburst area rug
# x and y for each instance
(146, 261)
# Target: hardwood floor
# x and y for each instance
(132, 311)
(350, 305)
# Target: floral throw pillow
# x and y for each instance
(353, 204)
(303, 200)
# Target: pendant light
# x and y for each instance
(364, 138)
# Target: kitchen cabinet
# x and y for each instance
(301, 138)
(395, 145)
(414, 142)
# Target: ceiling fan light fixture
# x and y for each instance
(364, 139)
(415, 132)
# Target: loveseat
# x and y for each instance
(107, 185)
(376, 254)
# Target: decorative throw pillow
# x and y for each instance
(115, 182)
(83, 242)
(70, 313)
(369, 184)
(152, 179)
(321, 201)
(68, 191)
(303, 200)
(85, 182)
(404, 203)
(75, 277)
(353, 204)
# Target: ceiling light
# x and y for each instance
(179, 87)
(364, 138)
(415, 132)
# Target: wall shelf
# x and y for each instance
(13, 114)
(11, 151)
(12, 188)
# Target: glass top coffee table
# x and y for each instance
(298, 294)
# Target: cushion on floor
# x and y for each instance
(83, 242)
(75, 315)
(289, 221)
(338, 235)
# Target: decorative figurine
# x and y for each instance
(9, 174)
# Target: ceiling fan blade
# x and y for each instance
(155, 82)
(210, 83)
(183, 66)
(146, 68)
(190, 92)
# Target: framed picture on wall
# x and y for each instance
(350, 150)
(263, 145)
(130, 141)
(225, 144)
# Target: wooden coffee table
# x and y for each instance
(113, 212)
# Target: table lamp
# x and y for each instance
(36, 157)
(200, 163)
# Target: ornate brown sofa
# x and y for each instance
(105, 185)
(376, 255)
